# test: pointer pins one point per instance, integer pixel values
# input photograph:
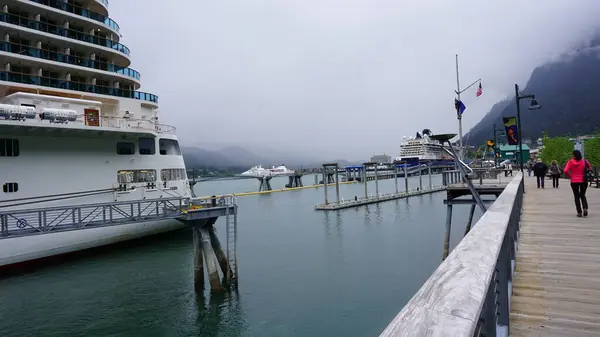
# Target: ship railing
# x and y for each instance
(25, 222)
(112, 122)
(136, 123)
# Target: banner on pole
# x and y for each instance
(512, 131)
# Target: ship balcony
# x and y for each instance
(80, 11)
(40, 26)
(38, 81)
(24, 50)
(103, 2)
(84, 125)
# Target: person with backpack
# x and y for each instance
(578, 170)
(539, 171)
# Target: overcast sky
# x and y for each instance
(338, 78)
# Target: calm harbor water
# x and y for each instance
(302, 272)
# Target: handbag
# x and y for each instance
(588, 174)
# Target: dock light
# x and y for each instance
(534, 104)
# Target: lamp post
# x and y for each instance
(533, 106)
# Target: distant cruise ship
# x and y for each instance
(259, 171)
(421, 148)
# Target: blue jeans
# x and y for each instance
(540, 181)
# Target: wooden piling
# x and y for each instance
(198, 260)
(448, 229)
(221, 256)
(211, 261)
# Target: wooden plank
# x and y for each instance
(556, 291)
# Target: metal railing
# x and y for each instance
(27, 22)
(50, 55)
(112, 122)
(133, 123)
(60, 83)
(469, 293)
(15, 223)
(78, 10)
(477, 175)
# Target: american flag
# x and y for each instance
(479, 90)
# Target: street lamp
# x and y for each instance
(532, 106)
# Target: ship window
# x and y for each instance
(125, 148)
(172, 174)
(10, 187)
(136, 176)
(9, 147)
(147, 146)
(169, 147)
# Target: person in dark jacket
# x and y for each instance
(539, 171)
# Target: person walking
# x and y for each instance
(554, 173)
(539, 171)
(575, 169)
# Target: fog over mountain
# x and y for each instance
(568, 90)
(338, 78)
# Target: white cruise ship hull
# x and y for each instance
(76, 130)
(30, 248)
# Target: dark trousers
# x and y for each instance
(579, 194)
(540, 181)
(555, 178)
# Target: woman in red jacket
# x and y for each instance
(575, 170)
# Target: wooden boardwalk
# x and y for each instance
(556, 287)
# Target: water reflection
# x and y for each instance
(333, 216)
(221, 315)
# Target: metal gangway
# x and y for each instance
(25, 222)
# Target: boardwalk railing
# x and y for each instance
(469, 293)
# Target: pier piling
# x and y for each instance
(337, 184)
(220, 254)
(376, 183)
(405, 178)
(420, 176)
(265, 183)
(396, 177)
(198, 260)
(211, 261)
(429, 174)
(327, 175)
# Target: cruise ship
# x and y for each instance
(422, 148)
(259, 171)
(75, 129)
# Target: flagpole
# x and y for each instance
(459, 115)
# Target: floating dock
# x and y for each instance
(376, 199)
